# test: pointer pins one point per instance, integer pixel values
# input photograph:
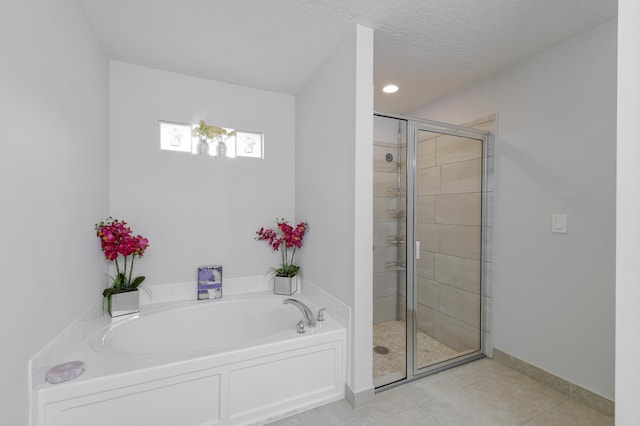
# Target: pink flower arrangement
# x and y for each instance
(287, 238)
(117, 240)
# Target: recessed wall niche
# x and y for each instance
(203, 139)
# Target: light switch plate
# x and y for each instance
(559, 223)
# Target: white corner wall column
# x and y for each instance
(627, 215)
(362, 372)
(334, 129)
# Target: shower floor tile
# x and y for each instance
(388, 368)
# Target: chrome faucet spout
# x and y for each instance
(309, 320)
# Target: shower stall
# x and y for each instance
(431, 229)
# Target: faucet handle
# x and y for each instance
(301, 327)
(321, 315)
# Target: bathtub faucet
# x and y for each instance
(310, 321)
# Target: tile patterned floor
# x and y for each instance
(480, 393)
(388, 368)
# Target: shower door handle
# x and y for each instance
(417, 250)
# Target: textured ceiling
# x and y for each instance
(428, 47)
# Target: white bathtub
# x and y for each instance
(232, 361)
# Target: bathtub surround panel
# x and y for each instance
(338, 310)
(124, 384)
(206, 394)
(308, 374)
(94, 318)
(59, 348)
(553, 295)
(139, 405)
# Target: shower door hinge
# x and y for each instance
(417, 250)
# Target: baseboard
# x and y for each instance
(573, 391)
(358, 399)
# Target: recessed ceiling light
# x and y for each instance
(390, 88)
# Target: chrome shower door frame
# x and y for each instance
(414, 126)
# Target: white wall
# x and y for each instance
(553, 294)
(198, 210)
(628, 212)
(53, 181)
(334, 119)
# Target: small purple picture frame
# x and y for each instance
(209, 282)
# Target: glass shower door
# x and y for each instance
(389, 251)
(448, 247)
(430, 188)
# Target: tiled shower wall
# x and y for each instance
(449, 228)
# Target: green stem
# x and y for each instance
(116, 282)
(293, 254)
(284, 255)
(133, 256)
(124, 273)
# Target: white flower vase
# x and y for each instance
(285, 285)
(203, 147)
(221, 149)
